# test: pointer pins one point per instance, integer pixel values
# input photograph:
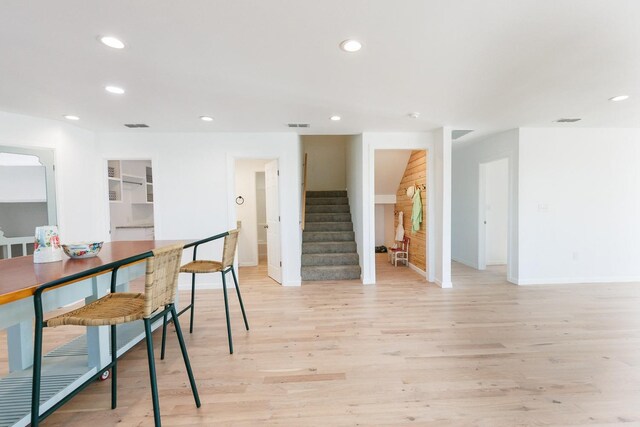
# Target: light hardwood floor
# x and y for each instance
(403, 352)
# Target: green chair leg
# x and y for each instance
(164, 335)
(152, 373)
(244, 316)
(185, 356)
(193, 301)
(226, 310)
(37, 376)
(114, 368)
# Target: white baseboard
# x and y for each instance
(418, 270)
(465, 262)
(297, 282)
(444, 285)
(577, 280)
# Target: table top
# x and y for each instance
(19, 277)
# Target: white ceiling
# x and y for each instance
(257, 65)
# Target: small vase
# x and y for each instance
(46, 247)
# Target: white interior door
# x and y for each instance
(494, 213)
(274, 264)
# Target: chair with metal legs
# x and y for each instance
(223, 267)
(161, 281)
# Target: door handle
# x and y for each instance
(266, 226)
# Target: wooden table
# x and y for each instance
(74, 362)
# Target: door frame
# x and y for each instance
(482, 202)
(231, 196)
(428, 217)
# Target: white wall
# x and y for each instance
(440, 210)
(78, 173)
(194, 185)
(247, 212)
(496, 211)
(326, 170)
(465, 218)
(579, 205)
(355, 191)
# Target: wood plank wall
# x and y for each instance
(414, 174)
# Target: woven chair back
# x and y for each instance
(161, 280)
(229, 250)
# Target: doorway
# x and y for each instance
(395, 172)
(493, 216)
(27, 197)
(130, 184)
(258, 217)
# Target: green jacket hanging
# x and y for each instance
(416, 212)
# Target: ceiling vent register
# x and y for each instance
(299, 125)
(136, 125)
(567, 120)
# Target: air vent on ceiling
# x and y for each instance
(299, 125)
(455, 134)
(136, 125)
(567, 120)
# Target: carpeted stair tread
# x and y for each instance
(328, 247)
(329, 226)
(350, 258)
(334, 272)
(327, 201)
(334, 193)
(328, 236)
(328, 217)
(327, 209)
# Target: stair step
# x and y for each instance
(328, 247)
(328, 217)
(327, 208)
(327, 201)
(339, 272)
(328, 226)
(330, 259)
(328, 236)
(335, 193)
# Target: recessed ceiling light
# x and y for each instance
(111, 42)
(351, 45)
(619, 98)
(70, 117)
(335, 118)
(206, 118)
(114, 89)
(414, 115)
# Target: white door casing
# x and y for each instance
(274, 265)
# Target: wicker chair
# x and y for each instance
(122, 307)
(223, 267)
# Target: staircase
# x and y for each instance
(328, 242)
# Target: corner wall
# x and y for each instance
(466, 161)
(327, 161)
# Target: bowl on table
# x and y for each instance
(82, 249)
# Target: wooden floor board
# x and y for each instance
(403, 352)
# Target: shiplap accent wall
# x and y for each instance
(414, 174)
